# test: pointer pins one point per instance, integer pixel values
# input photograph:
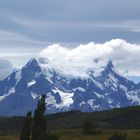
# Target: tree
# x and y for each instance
(40, 124)
(26, 131)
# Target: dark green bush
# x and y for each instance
(87, 128)
(52, 137)
(117, 136)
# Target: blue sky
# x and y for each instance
(28, 26)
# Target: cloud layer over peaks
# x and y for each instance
(93, 56)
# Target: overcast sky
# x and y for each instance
(28, 26)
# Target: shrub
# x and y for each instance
(117, 136)
(87, 127)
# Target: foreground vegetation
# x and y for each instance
(76, 134)
(126, 118)
(68, 126)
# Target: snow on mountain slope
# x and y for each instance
(20, 91)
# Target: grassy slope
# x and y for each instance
(126, 118)
(75, 134)
(68, 125)
(9, 137)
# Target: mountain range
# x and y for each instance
(21, 90)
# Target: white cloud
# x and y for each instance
(93, 56)
(6, 68)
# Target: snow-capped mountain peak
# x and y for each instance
(110, 65)
(20, 91)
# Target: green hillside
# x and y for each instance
(126, 118)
